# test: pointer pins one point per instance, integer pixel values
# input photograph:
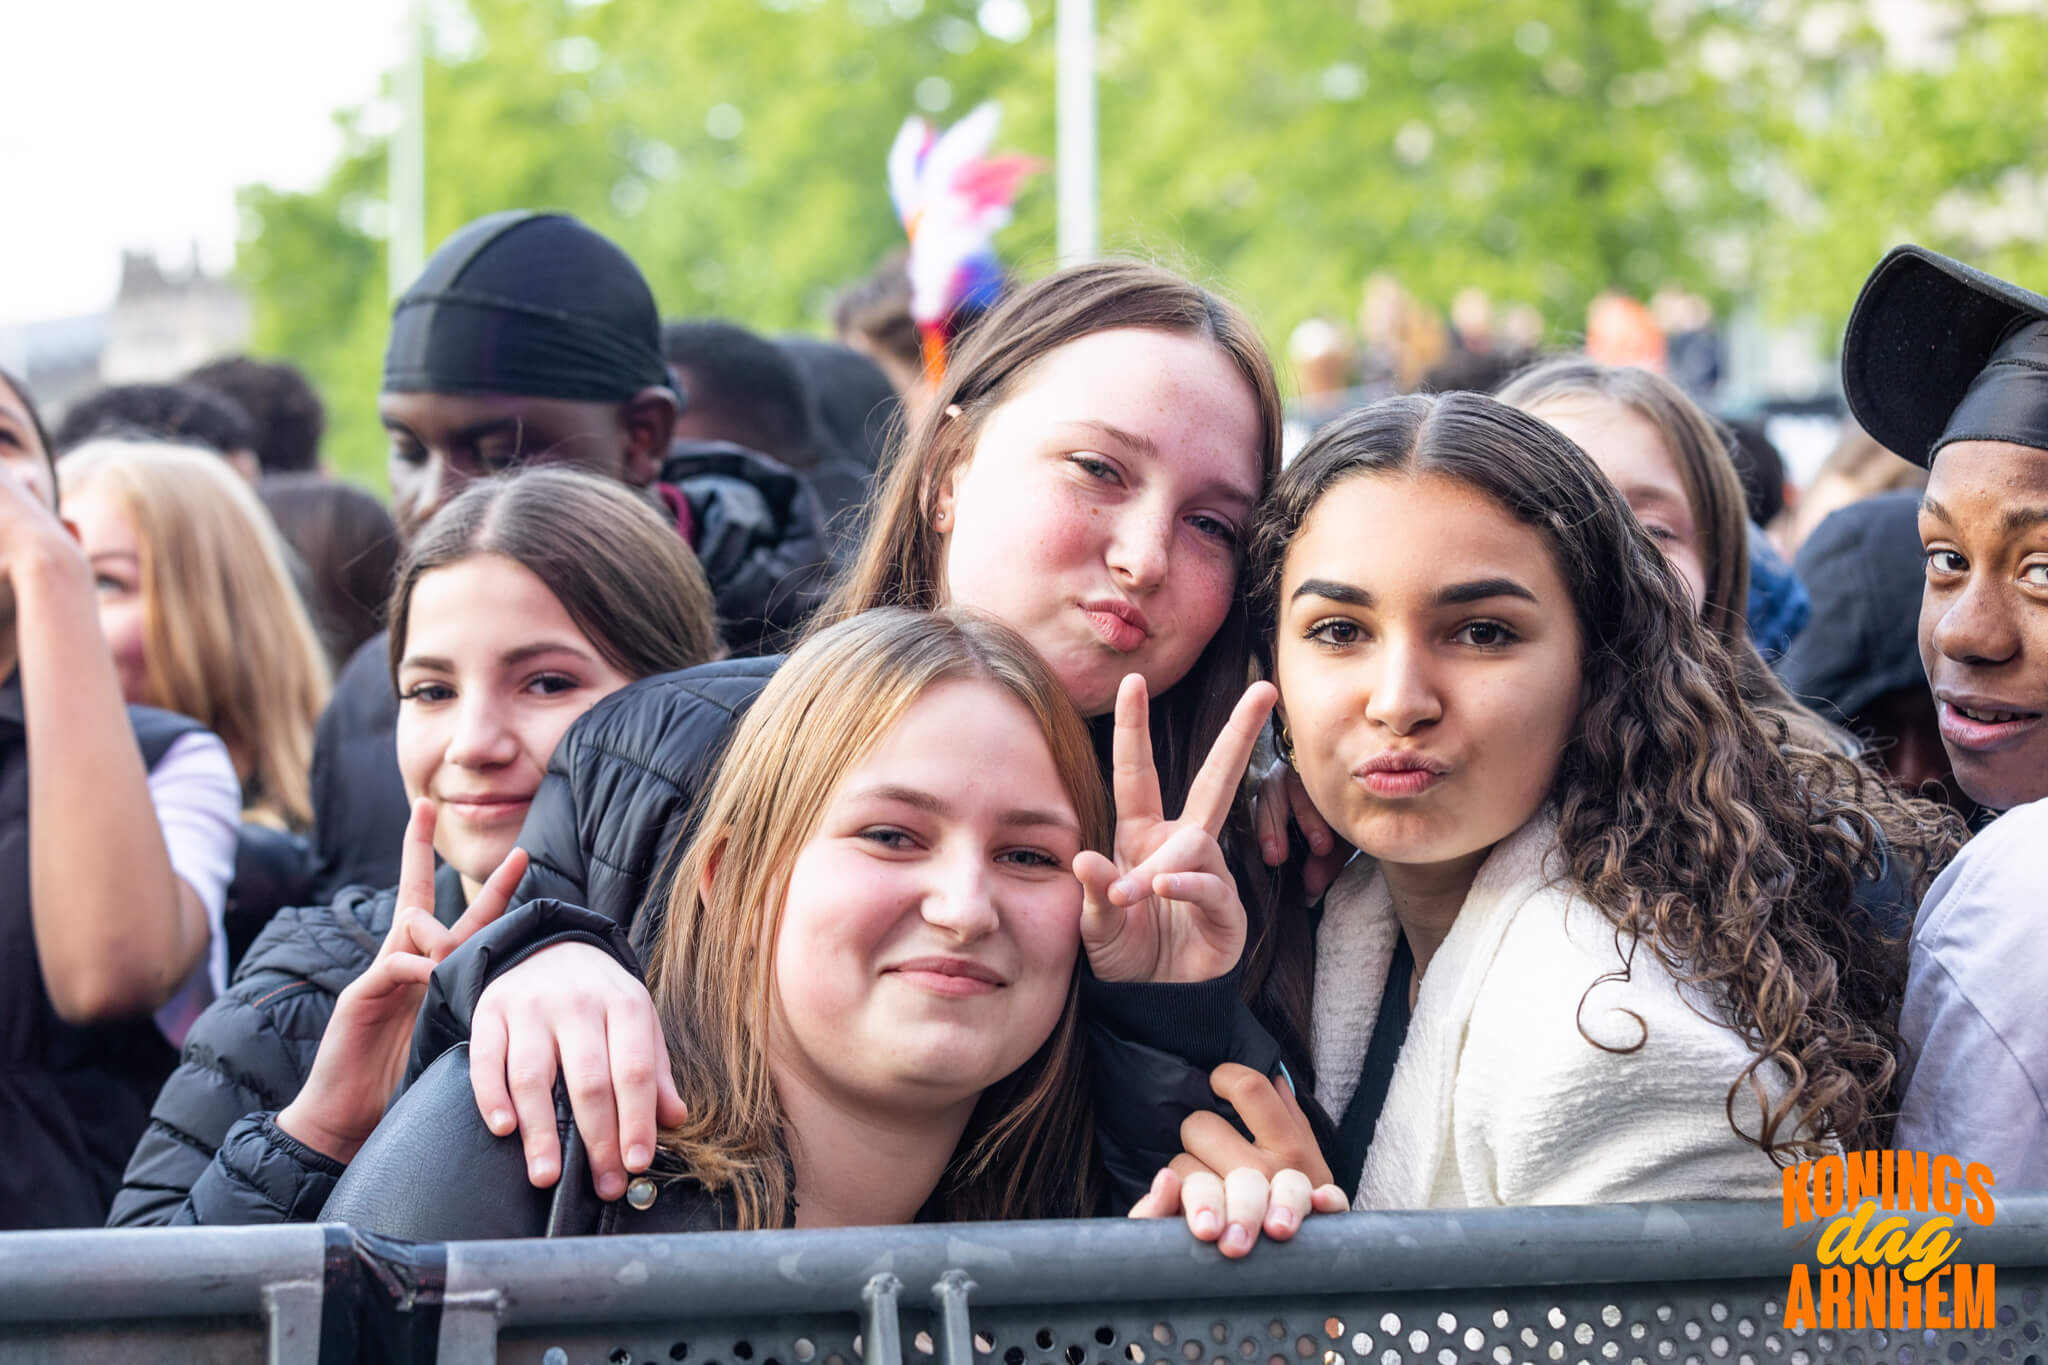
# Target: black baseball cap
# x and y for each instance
(1938, 351)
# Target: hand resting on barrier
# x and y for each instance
(362, 1053)
(1232, 1210)
(1230, 1189)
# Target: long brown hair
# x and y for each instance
(620, 571)
(1026, 1151)
(1683, 814)
(226, 637)
(1699, 446)
(900, 560)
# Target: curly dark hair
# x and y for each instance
(1688, 817)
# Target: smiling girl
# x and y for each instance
(522, 603)
(868, 968)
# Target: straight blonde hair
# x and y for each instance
(227, 638)
(1027, 1151)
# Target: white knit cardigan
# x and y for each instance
(1497, 1098)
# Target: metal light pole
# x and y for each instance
(406, 162)
(1078, 157)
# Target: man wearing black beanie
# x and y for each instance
(528, 339)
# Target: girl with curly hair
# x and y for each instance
(1602, 943)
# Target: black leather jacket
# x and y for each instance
(210, 1153)
(433, 1173)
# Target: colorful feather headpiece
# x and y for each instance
(952, 197)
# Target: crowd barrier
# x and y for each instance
(1661, 1284)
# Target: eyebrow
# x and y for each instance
(1457, 594)
(1661, 497)
(1481, 589)
(2011, 521)
(932, 805)
(128, 555)
(508, 659)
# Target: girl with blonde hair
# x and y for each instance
(197, 601)
(868, 973)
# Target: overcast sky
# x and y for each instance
(129, 123)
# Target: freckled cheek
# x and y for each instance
(1207, 583)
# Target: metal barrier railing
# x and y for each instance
(1655, 1283)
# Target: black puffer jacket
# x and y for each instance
(211, 1154)
(759, 531)
(605, 826)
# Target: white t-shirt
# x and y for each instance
(1975, 1031)
(198, 801)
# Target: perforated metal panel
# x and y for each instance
(1737, 1322)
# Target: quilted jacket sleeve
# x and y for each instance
(261, 1174)
(247, 1054)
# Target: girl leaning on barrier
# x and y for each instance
(1086, 477)
(1603, 943)
(868, 969)
(521, 603)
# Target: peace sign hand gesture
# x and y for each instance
(362, 1053)
(1167, 908)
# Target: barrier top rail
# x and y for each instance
(1005, 1293)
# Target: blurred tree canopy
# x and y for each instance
(1283, 150)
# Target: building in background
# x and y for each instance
(163, 322)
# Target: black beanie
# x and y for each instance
(531, 304)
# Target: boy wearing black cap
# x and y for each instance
(1949, 367)
(528, 339)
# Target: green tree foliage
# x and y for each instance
(1949, 150)
(1284, 150)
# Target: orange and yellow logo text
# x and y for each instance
(1878, 1267)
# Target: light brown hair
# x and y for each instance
(226, 638)
(621, 572)
(901, 559)
(1713, 487)
(1026, 1151)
